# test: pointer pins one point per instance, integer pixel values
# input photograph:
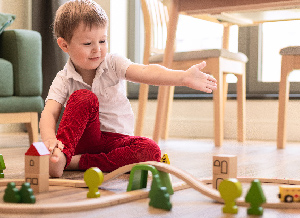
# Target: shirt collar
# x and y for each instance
(71, 72)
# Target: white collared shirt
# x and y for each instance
(109, 85)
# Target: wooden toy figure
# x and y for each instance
(26, 194)
(93, 178)
(230, 189)
(165, 159)
(37, 167)
(2, 166)
(11, 194)
(255, 197)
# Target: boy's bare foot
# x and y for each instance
(74, 164)
(57, 163)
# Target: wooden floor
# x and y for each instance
(255, 159)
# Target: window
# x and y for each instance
(275, 36)
(31, 163)
(262, 44)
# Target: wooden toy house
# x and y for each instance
(37, 167)
(224, 167)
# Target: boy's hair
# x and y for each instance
(69, 15)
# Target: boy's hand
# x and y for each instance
(51, 144)
(55, 147)
(198, 80)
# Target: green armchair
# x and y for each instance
(21, 79)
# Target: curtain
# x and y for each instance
(53, 58)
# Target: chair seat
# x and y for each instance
(202, 54)
(291, 50)
(16, 104)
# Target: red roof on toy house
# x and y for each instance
(37, 149)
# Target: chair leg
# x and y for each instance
(284, 86)
(241, 107)
(143, 99)
(32, 127)
(167, 113)
(218, 108)
(161, 104)
(225, 91)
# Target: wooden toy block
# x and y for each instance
(93, 178)
(256, 198)
(139, 175)
(225, 164)
(26, 194)
(37, 164)
(37, 167)
(39, 182)
(230, 189)
(165, 159)
(11, 194)
(224, 167)
(2, 166)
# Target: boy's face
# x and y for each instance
(87, 48)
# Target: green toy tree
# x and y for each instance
(11, 194)
(2, 166)
(159, 196)
(93, 178)
(230, 189)
(27, 194)
(255, 197)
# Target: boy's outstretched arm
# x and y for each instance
(154, 74)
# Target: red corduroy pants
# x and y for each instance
(79, 131)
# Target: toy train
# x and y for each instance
(289, 193)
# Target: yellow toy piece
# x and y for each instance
(230, 189)
(165, 159)
(93, 178)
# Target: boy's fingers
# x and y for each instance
(53, 145)
(55, 155)
(60, 145)
(201, 65)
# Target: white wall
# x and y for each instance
(22, 9)
(116, 10)
(194, 119)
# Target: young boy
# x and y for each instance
(97, 125)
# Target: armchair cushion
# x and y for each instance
(15, 104)
(6, 20)
(6, 81)
(23, 48)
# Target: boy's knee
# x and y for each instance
(151, 150)
(84, 97)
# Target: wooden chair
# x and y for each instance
(290, 61)
(219, 63)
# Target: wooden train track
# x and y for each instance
(189, 181)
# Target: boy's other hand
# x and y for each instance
(198, 80)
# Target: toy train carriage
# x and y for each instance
(289, 193)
